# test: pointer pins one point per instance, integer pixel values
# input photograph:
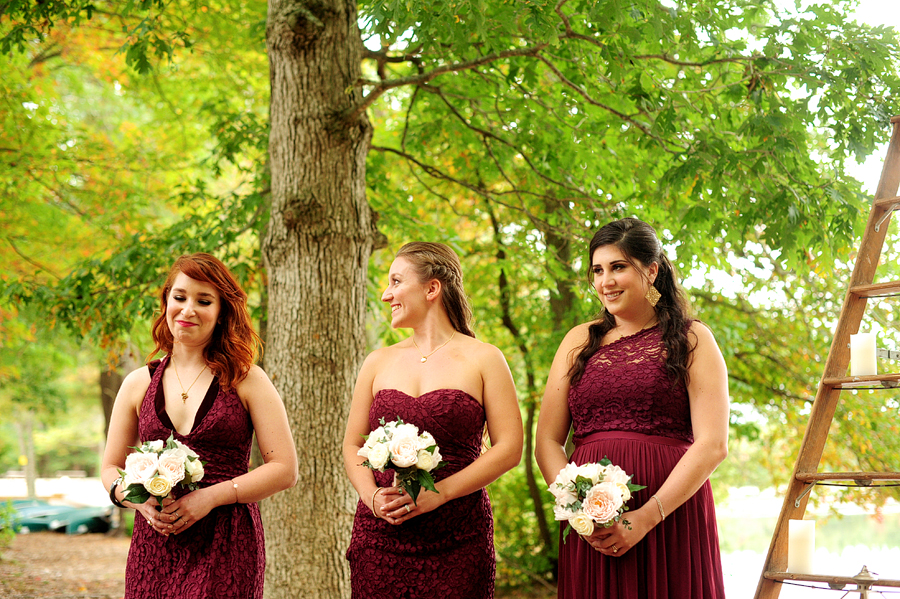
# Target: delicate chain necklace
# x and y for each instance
(184, 394)
(424, 357)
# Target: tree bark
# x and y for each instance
(316, 251)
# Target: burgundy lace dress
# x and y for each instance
(444, 554)
(625, 408)
(222, 556)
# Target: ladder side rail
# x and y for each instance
(825, 403)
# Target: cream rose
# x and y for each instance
(187, 450)
(603, 502)
(425, 461)
(404, 449)
(156, 446)
(194, 470)
(624, 491)
(160, 486)
(378, 456)
(582, 523)
(171, 465)
(140, 467)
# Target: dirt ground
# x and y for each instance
(49, 565)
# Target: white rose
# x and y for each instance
(564, 494)
(582, 523)
(378, 456)
(158, 486)
(140, 467)
(404, 449)
(426, 440)
(561, 513)
(595, 472)
(425, 461)
(171, 465)
(155, 446)
(614, 474)
(623, 489)
(566, 475)
(194, 470)
(187, 450)
(406, 430)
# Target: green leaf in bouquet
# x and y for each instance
(582, 486)
(427, 481)
(566, 531)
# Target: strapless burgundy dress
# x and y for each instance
(444, 554)
(626, 408)
(222, 556)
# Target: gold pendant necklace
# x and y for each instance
(184, 394)
(424, 357)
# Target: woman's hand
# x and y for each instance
(616, 540)
(148, 511)
(179, 515)
(397, 506)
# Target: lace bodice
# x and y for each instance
(625, 387)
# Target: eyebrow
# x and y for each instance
(202, 293)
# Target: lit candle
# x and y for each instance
(801, 545)
(862, 354)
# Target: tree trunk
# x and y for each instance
(27, 457)
(316, 253)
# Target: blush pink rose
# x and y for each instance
(171, 465)
(404, 450)
(603, 502)
(140, 467)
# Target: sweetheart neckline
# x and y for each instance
(465, 393)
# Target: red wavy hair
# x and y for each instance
(234, 346)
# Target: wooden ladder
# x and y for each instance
(835, 379)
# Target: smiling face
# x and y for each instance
(620, 284)
(405, 294)
(192, 310)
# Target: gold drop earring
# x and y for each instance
(652, 295)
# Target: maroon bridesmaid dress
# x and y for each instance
(626, 408)
(444, 554)
(222, 556)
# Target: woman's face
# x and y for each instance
(621, 285)
(404, 293)
(192, 311)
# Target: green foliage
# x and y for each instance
(7, 519)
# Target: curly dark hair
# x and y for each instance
(639, 243)
(234, 346)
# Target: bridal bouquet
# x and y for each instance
(156, 467)
(398, 445)
(591, 494)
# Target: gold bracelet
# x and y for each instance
(373, 502)
(235, 485)
(659, 505)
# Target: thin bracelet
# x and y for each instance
(235, 485)
(373, 502)
(659, 505)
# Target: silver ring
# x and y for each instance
(407, 508)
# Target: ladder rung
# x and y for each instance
(859, 477)
(831, 580)
(876, 289)
(874, 381)
(890, 203)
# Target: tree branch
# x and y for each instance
(380, 87)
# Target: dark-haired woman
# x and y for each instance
(208, 393)
(645, 386)
(447, 383)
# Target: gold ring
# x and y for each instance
(615, 549)
(407, 508)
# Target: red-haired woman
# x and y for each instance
(208, 393)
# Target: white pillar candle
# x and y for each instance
(801, 546)
(862, 354)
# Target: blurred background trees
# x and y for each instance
(134, 132)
